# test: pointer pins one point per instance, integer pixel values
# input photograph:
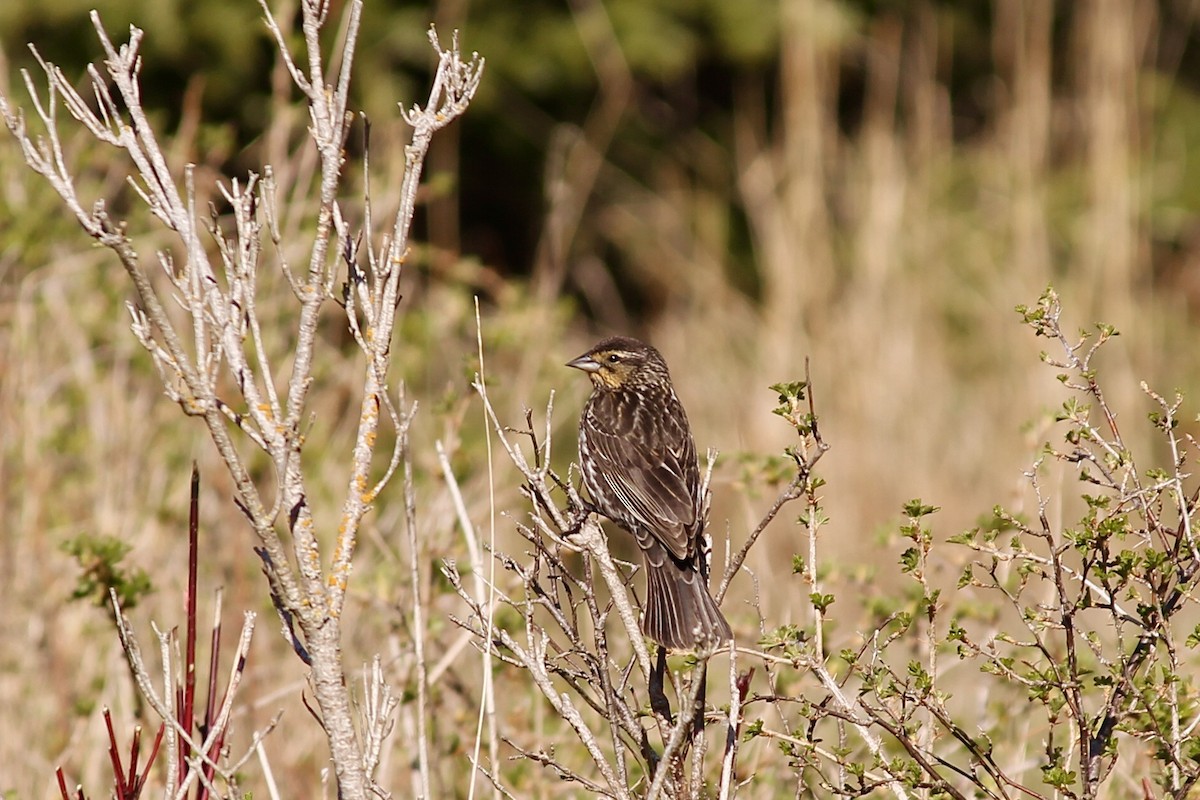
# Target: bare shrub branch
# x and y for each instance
(210, 271)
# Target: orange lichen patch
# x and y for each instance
(371, 436)
(368, 497)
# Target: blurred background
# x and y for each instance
(870, 187)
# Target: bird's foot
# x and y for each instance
(578, 518)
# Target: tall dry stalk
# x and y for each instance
(216, 361)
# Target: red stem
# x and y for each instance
(189, 692)
(115, 757)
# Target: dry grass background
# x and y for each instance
(890, 257)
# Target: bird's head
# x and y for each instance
(621, 363)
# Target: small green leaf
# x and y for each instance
(753, 730)
(1193, 638)
(99, 559)
(915, 509)
(821, 601)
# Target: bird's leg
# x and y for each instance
(701, 701)
(658, 698)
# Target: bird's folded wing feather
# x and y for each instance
(655, 480)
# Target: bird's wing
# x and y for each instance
(651, 468)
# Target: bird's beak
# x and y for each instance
(585, 363)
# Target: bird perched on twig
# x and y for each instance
(639, 465)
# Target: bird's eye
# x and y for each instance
(613, 358)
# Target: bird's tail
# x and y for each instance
(680, 613)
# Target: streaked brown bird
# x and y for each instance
(639, 465)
